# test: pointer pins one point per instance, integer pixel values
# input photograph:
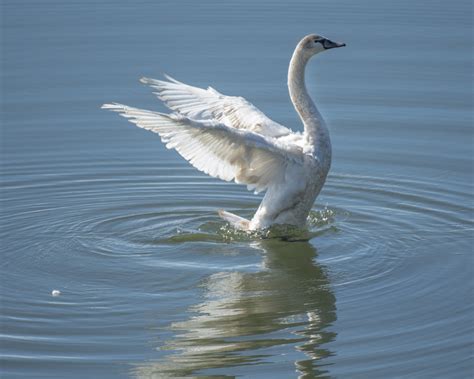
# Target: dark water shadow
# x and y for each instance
(251, 318)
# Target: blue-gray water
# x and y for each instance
(152, 283)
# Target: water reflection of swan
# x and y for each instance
(286, 307)
(228, 138)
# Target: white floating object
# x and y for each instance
(56, 292)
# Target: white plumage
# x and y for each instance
(228, 138)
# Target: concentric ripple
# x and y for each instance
(115, 240)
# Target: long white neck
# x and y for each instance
(315, 130)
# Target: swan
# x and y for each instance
(228, 138)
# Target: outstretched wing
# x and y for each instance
(216, 149)
(198, 103)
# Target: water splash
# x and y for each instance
(318, 222)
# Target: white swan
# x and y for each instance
(228, 138)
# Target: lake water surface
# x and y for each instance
(152, 283)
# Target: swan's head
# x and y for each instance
(314, 44)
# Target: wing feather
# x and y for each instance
(216, 149)
(198, 103)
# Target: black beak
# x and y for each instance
(328, 44)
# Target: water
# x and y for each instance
(152, 283)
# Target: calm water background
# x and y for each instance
(152, 283)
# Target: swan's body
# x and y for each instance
(228, 138)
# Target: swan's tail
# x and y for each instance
(236, 221)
